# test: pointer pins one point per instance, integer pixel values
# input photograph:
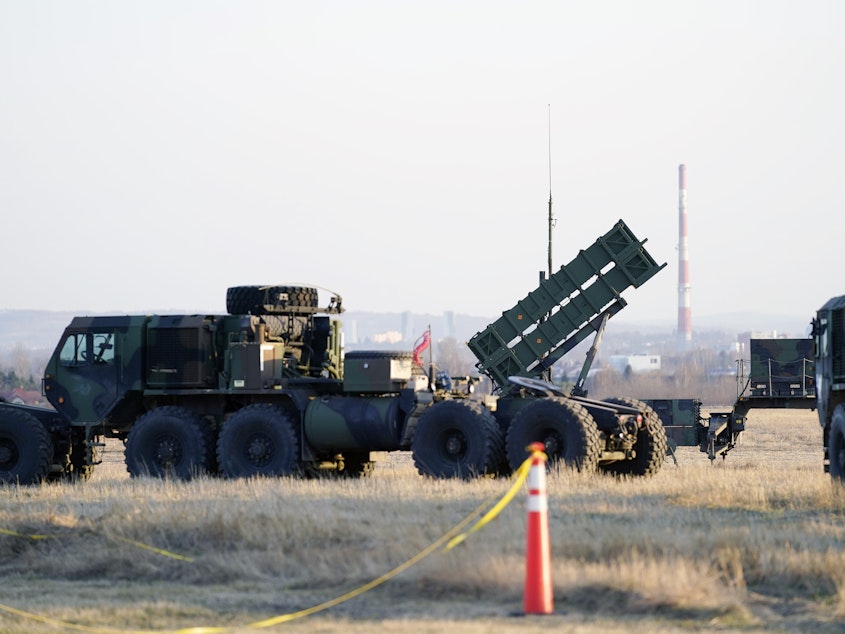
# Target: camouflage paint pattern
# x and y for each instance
(97, 361)
(781, 368)
(681, 419)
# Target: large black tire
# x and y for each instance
(264, 300)
(650, 447)
(258, 440)
(168, 442)
(288, 327)
(836, 444)
(568, 432)
(26, 452)
(457, 439)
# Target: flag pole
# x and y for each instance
(430, 362)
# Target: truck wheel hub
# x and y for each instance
(553, 444)
(168, 451)
(455, 445)
(259, 450)
(8, 455)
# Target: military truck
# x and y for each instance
(267, 390)
(828, 332)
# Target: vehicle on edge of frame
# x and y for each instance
(828, 332)
(266, 390)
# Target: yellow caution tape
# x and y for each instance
(158, 551)
(521, 475)
(451, 538)
(6, 531)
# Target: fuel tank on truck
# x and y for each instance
(356, 422)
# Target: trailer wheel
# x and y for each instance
(836, 444)
(258, 440)
(650, 447)
(168, 442)
(25, 448)
(567, 430)
(457, 439)
(264, 300)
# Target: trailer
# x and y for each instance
(778, 375)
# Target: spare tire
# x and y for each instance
(269, 300)
(287, 327)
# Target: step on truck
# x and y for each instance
(267, 390)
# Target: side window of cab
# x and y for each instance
(74, 351)
(103, 347)
(87, 349)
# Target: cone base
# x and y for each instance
(524, 614)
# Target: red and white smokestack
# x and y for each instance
(684, 314)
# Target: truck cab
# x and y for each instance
(96, 362)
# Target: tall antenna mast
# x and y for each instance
(551, 217)
(547, 374)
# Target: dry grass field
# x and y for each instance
(753, 543)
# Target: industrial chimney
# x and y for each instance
(684, 320)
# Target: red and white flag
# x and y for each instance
(420, 345)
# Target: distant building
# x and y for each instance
(636, 362)
(391, 336)
(449, 329)
(407, 326)
(19, 396)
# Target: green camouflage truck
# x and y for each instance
(829, 338)
(267, 390)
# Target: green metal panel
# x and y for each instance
(562, 305)
(376, 371)
(781, 367)
(681, 419)
(837, 338)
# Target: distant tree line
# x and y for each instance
(701, 374)
(687, 382)
(705, 375)
(21, 368)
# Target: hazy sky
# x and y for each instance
(154, 153)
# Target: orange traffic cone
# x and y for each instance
(538, 565)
